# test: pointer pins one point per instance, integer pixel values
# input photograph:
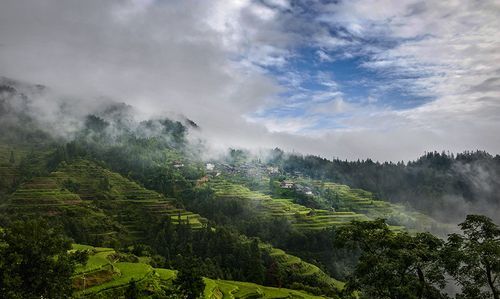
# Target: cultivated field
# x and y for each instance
(300, 216)
(103, 277)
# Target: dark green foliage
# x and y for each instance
(71, 185)
(393, 265)
(12, 160)
(221, 253)
(189, 282)
(104, 184)
(95, 124)
(224, 254)
(174, 129)
(35, 263)
(57, 156)
(237, 156)
(473, 258)
(242, 215)
(433, 183)
(256, 269)
(132, 291)
(32, 165)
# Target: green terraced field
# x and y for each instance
(97, 260)
(45, 197)
(363, 202)
(5, 151)
(127, 197)
(9, 172)
(358, 205)
(104, 278)
(302, 269)
(222, 289)
(118, 212)
(300, 216)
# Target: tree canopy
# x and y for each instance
(393, 265)
(473, 258)
(35, 261)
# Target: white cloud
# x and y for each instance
(162, 58)
(287, 125)
(123, 12)
(283, 4)
(209, 60)
(332, 107)
(323, 56)
(449, 53)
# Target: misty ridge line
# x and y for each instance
(219, 68)
(63, 116)
(67, 118)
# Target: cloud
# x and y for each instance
(157, 56)
(239, 69)
(444, 51)
(488, 85)
(323, 56)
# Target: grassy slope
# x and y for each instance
(45, 197)
(303, 269)
(300, 216)
(10, 172)
(111, 214)
(363, 202)
(127, 196)
(113, 277)
(358, 205)
(284, 207)
(115, 216)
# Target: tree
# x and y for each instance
(104, 184)
(95, 123)
(189, 283)
(132, 292)
(35, 262)
(393, 265)
(12, 159)
(473, 258)
(256, 270)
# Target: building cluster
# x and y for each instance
(248, 169)
(286, 184)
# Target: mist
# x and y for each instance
(219, 64)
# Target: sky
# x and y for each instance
(386, 80)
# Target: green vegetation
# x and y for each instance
(188, 283)
(224, 254)
(10, 166)
(433, 183)
(35, 262)
(300, 216)
(139, 196)
(95, 205)
(343, 197)
(400, 265)
(393, 265)
(304, 270)
(103, 283)
(473, 258)
(96, 182)
(329, 204)
(234, 289)
(44, 196)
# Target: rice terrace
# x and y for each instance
(244, 149)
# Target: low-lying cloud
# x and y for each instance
(211, 60)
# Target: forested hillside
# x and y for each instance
(458, 183)
(153, 219)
